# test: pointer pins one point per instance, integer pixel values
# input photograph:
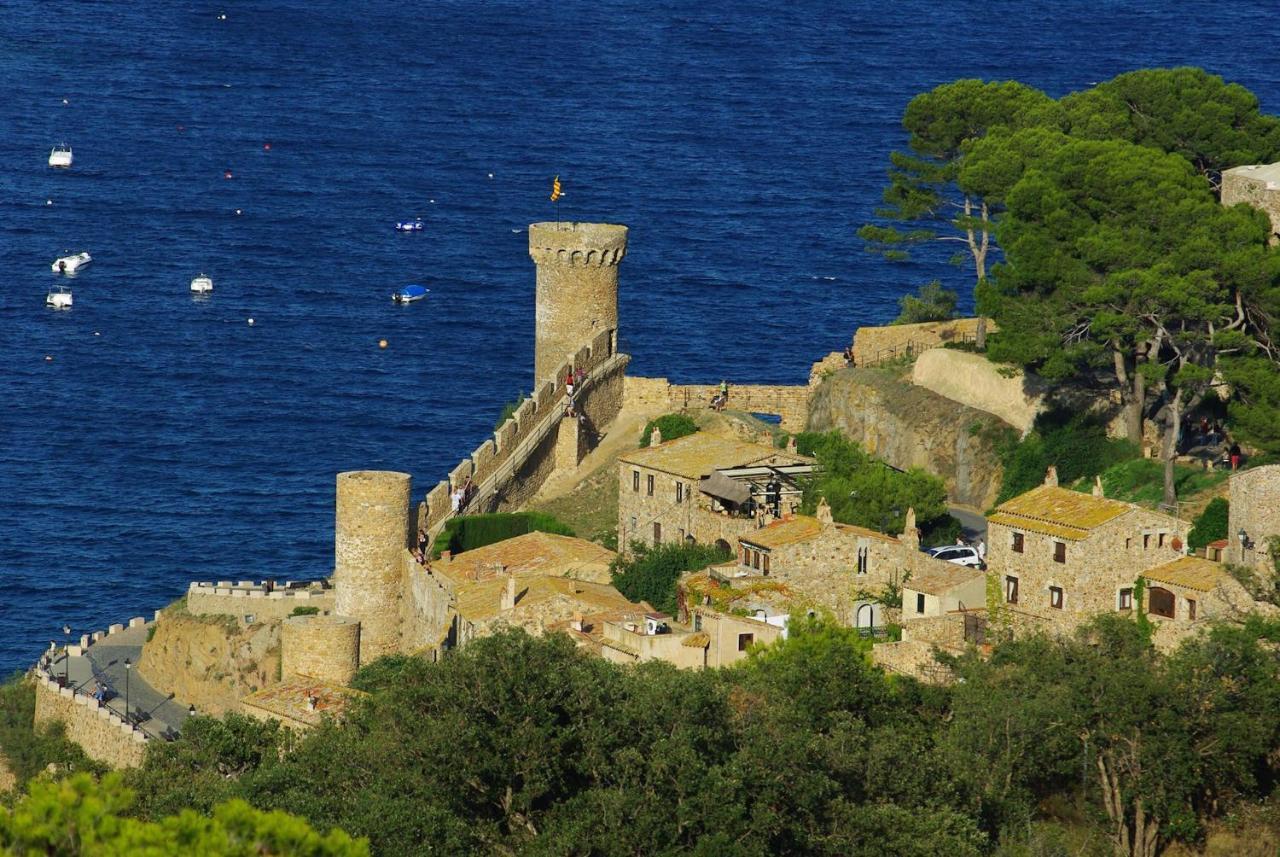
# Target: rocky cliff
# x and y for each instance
(909, 426)
(210, 661)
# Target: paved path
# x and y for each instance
(973, 521)
(104, 661)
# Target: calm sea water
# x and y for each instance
(743, 143)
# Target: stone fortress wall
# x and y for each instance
(1253, 511)
(101, 733)
(320, 647)
(875, 345)
(263, 601)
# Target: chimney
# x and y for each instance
(656, 437)
(1097, 487)
(1051, 476)
(576, 624)
(509, 593)
(312, 701)
(824, 512)
(447, 556)
(910, 535)
(791, 445)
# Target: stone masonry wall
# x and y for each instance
(791, 403)
(1096, 568)
(371, 532)
(321, 647)
(874, 345)
(427, 609)
(1255, 508)
(972, 380)
(1249, 184)
(208, 599)
(102, 735)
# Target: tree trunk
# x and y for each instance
(1171, 448)
(1133, 394)
(978, 246)
(980, 334)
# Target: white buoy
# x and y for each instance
(48, 202)
(237, 211)
(64, 101)
(432, 201)
(95, 333)
(251, 322)
(490, 175)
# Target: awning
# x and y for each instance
(722, 487)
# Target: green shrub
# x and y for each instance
(1142, 481)
(930, 303)
(1076, 443)
(466, 532)
(305, 611)
(650, 573)
(1211, 525)
(672, 427)
(509, 410)
(28, 749)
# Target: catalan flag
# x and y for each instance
(555, 189)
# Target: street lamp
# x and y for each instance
(53, 651)
(191, 710)
(66, 654)
(128, 668)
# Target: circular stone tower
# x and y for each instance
(577, 287)
(320, 647)
(371, 533)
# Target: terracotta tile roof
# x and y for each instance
(540, 598)
(540, 553)
(697, 455)
(1189, 572)
(697, 640)
(289, 700)
(788, 531)
(937, 580)
(1058, 512)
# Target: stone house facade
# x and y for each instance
(939, 591)
(660, 496)
(1255, 512)
(716, 639)
(1062, 557)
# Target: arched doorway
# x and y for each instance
(866, 616)
(721, 544)
(1160, 602)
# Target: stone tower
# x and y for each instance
(577, 287)
(371, 533)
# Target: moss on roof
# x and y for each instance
(1059, 512)
(697, 455)
(1189, 572)
(788, 531)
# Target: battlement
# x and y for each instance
(577, 244)
(264, 600)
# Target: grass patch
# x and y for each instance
(1142, 481)
(591, 508)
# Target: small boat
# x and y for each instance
(409, 294)
(202, 285)
(60, 157)
(414, 225)
(59, 297)
(71, 263)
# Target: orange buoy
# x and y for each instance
(382, 343)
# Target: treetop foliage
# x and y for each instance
(650, 573)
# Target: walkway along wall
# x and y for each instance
(509, 468)
(99, 731)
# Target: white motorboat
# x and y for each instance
(71, 263)
(60, 157)
(202, 285)
(59, 297)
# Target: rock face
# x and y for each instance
(211, 661)
(909, 426)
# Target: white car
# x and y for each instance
(959, 554)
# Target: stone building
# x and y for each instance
(716, 638)
(702, 488)
(1257, 185)
(536, 581)
(1254, 517)
(942, 590)
(1061, 557)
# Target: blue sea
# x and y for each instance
(168, 440)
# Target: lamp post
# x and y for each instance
(191, 710)
(53, 652)
(66, 654)
(128, 668)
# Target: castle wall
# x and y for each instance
(875, 345)
(973, 380)
(371, 532)
(208, 599)
(102, 734)
(790, 402)
(427, 609)
(1255, 185)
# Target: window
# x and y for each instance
(681, 532)
(1011, 589)
(657, 531)
(1017, 542)
(679, 492)
(1146, 540)
(1055, 597)
(697, 621)
(755, 559)
(1160, 540)
(765, 563)
(745, 640)
(650, 491)
(1126, 599)
(1128, 543)
(1160, 602)
(1191, 609)
(919, 602)
(743, 555)
(635, 480)
(1059, 551)
(862, 560)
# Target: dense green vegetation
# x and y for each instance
(465, 532)
(1121, 274)
(931, 303)
(531, 746)
(650, 573)
(864, 491)
(1141, 480)
(1073, 441)
(28, 749)
(78, 816)
(672, 426)
(1210, 525)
